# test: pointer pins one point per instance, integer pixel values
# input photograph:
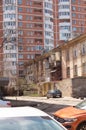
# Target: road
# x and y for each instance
(47, 105)
(63, 100)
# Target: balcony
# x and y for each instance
(38, 18)
(38, 33)
(54, 64)
(38, 25)
(39, 11)
(36, 3)
(39, 41)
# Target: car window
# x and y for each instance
(58, 91)
(81, 105)
(29, 123)
(53, 91)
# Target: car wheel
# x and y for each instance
(60, 96)
(82, 126)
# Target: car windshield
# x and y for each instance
(29, 123)
(81, 105)
(53, 91)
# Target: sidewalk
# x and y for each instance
(64, 100)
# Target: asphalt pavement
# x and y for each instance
(48, 105)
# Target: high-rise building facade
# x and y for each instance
(27, 30)
(71, 19)
(29, 27)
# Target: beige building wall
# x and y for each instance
(71, 62)
(76, 61)
(79, 60)
(63, 64)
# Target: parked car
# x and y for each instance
(54, 93)
(73, 117)
(27, 118)
(5, 103)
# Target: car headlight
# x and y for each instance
(64, 120)
(70, 119)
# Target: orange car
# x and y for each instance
(74, 117)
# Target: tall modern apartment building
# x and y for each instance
(29, 27)
(71, 19)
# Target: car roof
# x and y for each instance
(21, 112)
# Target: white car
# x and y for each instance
(5, 103)
(27, 118)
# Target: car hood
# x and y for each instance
(69, 112)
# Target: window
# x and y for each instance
(74, 21)
(20, 17)
(14, 63)
(48, 12)
(79, 1)
(67, 55)
(73, 1)
(74, 29)
(13, 72)
(20, 56)
(30, 40)
(29, 10)
(9, 1)
(29, 25)
(68, 72)
(84, 68)
(75, 70)
(73, 14)
(48, 5)
(65, 28)
(27, 2)
(20, 32)
(28, 48)
(28, 56)
(11, 16)
(73, 8)
(30, 33)
(32, 56)
(21, 73)
(9, 23)
(79, 15)
(21, 63)
(20, 40)
(30, 3)
(75, 53)
(64, 13)
(13, 55)
(83, 49)
(20, 9)
(13, 47)
(29, 18)
(20, 48)
(79, 8)
(20, 24)
(19, 2)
